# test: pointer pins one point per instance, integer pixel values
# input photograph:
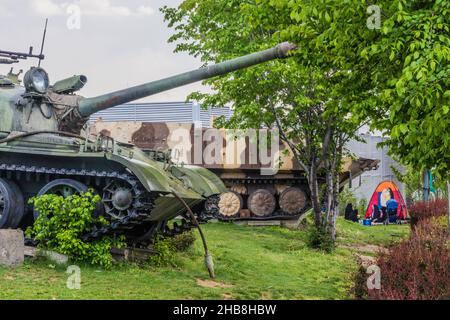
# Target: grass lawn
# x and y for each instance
(250, 263)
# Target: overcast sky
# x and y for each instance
(119, 43)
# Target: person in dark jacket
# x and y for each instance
(355, 216)
(384, 214)
(348, 211)
(377, 214)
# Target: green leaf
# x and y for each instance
(392, 56)
(403, 128)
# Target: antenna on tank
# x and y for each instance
(41, 56)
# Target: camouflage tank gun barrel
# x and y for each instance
(89, 106)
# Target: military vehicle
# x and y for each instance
(44, 148)
(251, 195)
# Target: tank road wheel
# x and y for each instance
(230, 204)
(12, 205)
(292, 200)
(118, 199)
(61, 187)
(261, 203)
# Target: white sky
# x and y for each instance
(120, 43)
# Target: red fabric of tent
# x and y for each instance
(383, 192)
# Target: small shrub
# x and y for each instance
(422, 210)
(63, 221)
(362, 206)
(359, 289)
(184, 241)
(164, 252)
(319, 239)
(417, 268)
(165, 249)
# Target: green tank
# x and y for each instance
(45, 147)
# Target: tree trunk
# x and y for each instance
(315, 201)
(336, 207)
(332, 180)
(332, 205)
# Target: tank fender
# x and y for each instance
(200, 179)
(151, 175)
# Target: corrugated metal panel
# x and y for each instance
(205, 117)
(179, 112)
(148, 112)
(217, 112)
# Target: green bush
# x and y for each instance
(359, 288)
(319, 239)
(63, 221)
(346, 196)
(362, 207)
(164, 252)
(165, 249)
(183, 241)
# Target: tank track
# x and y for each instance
(211, 212)
(210, 209)
(142, 206)
(278, 214)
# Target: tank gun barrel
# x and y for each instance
(89, 106)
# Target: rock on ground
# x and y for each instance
(11, 248)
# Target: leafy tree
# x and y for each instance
(413, 181)
(301, 96)
(402, 67)
(347, 69)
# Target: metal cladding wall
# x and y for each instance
(178, 112)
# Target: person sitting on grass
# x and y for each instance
(354, 216)
(392, 206)
(384, 218)
(348, 211)
(377, 214)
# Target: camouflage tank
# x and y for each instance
(44, 148)
(251, 195)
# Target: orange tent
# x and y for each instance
(383, 192)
